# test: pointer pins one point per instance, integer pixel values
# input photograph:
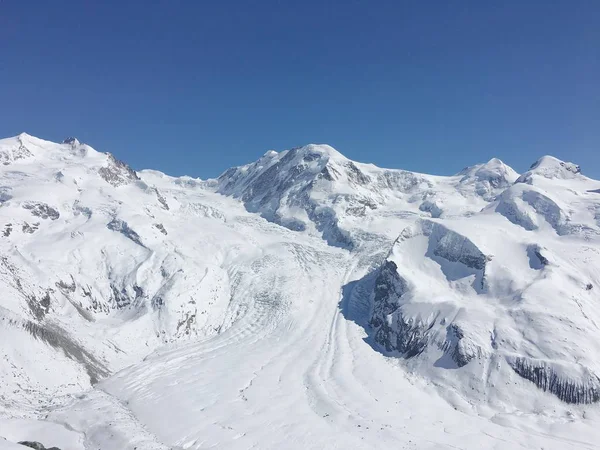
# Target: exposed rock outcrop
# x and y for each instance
(547, 378)
(117, 173)
(15, 153)
(37, 445)
(122, 227)
(41, 210)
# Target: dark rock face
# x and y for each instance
(120, 298)
(39, 306)
(29, 229)
(264, 193)
(123, 298)
(122, 227)
(389, 287)
(161, 200)
(407, 336)
(117, 173)
(96, 305)
(453, 345)
(410, 335)
(327, 223)
(37, 446)
(547, 379)
(184, 324)
(396, 328)
(160, 227)
(536, 259)
(291, 179)
(41, 210)
(7, 229)
(432, 208)
(356, 175)
(394, 331)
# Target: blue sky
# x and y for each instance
(193, 87)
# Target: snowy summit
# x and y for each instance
(300, 301)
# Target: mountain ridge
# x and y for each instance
(333, 287)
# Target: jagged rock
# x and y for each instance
(41, 210)
(460, 348)
(37, 445)
(139, 292)
(122, 227)
(536, 259)
(117, 173)
(161, 200)
(304, 180)
(95, 304)
(7, 229)
(185, 324)
(39, 306)
(389, 287)
(67, 288)
(120, 298)
(410, 334)
(432, 208)
(160, 227)
(545, 377)
(355, 174)
(394, 331)
(71, 140)
(20, 151)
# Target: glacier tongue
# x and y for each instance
(301, 301)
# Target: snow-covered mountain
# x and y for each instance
(301, 301)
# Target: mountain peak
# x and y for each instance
(493, 165)
(489, 177)
(313, 152)
(72, 141)
(552, 168)
(548, 162)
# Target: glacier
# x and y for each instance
(300, 301)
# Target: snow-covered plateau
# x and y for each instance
(303, 301)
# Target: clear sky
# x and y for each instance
(193, 87)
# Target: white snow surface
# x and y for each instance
(304, 301)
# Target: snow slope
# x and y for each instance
(301, 301)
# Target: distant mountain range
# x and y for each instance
(301, 301)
